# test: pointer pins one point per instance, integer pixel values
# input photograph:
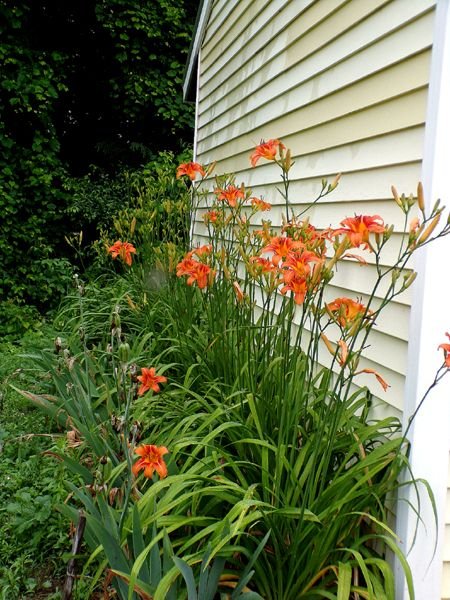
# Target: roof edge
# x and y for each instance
(199, 30)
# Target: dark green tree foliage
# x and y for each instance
(82, 82)
(31, 201)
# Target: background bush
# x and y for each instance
(88, 92)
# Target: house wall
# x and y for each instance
(344, 85)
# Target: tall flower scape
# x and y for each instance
(298, 261)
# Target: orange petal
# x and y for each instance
(381, 381)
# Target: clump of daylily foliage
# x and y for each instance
(256, 470)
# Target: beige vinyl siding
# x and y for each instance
(344, 84)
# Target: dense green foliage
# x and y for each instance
(81, 83)
(273, 478)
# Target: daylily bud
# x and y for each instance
(287, 160)
(333, 185)
(429, 230)
(124, 352)
(115, 321)
(409, 279)
(389, 231)
(317, 273)
(337, 254)
(420, 197)
(396, 196)
(327, 344)
(436, 206)
(395, 275)
(210, 168)
(238, 291)
(132, 226)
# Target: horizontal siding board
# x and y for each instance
(220, 14)
(446, 551)
(447, 508)
(398, 113)
(391, 82)
(445, 591)
(369, 186)
(272, 31)
(370, 189)
(395, 148)
(340, 67)
(237, 32)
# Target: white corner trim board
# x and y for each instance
(430, 319)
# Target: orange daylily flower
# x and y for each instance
(123, 250)
(230, 195)
(446, 349)
(263, 264)
(267, 150)
(211, 216)
(196, 272)
(191, 169)
(357, 229)
(186, 266)
(297, 285)
(200, 275)
(281, 247)
(384, 384)
(297, 264)
(259, 204)
(151, 460)
(150, 380)
(346, 311)
(200, 251)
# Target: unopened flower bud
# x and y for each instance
(333, 185)
(420, 197)
(409, 280)
(210, 168)
(327, 343)
(124, 352)
(287, 161)
(396, 196)
(395, 275)
(429, 230)
(387, 234)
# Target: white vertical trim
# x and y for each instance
(196, 45)
(197, 104)
(194, 150)
(430, 319)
